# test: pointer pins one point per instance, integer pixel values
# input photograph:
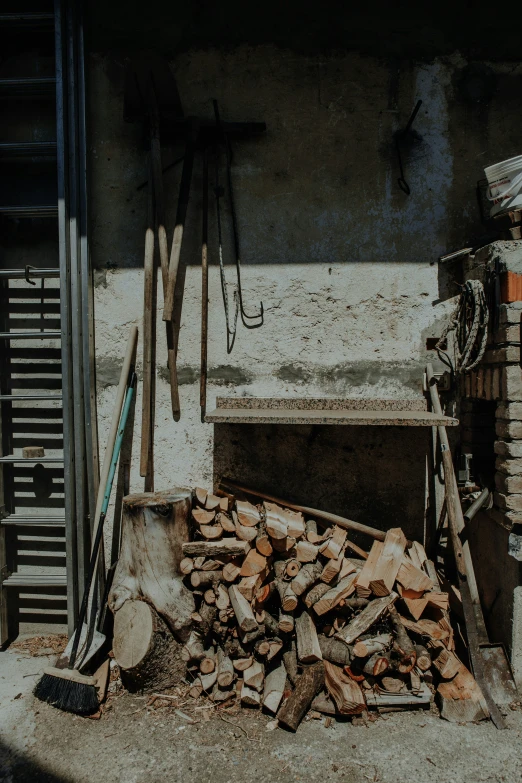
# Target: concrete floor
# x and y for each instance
(39, 743)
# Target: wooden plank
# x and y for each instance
(366, 618)
(413, 578)
(336, 417)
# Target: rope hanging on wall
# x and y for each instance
(470, 326)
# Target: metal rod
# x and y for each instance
(31, 460)
(65, 316)
(477, 504)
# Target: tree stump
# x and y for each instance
(154, 527)
(145, 649)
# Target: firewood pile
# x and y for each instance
(290, 617)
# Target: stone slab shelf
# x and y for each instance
(328, 410)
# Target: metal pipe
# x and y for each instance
(477, 504)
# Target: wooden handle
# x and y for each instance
(128, 361)
(146, 405)
(204, 292)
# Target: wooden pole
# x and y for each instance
(147, 423)
(204, 291)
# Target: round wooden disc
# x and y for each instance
(132, 633)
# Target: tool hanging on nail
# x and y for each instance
(223, 136)
(400, 137)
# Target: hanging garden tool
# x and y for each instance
(400, 138)
(223, 136)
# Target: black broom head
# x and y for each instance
(68, 690)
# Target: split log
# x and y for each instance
(199, 562)
(330, 599)
(249, 585)
(295, 523)
(263, 544)
(393, 683)
(423, 658)
(428, 628)
(290, 661)
(186, 565)
(276, 524)
(287, 595)
(332, 569)
(231, 571)
(208, 681)
(415, 604)
(208, 663)
(244, 532)
(366, 647)
(202, 579)
(461, 700)
(324, 704)
(308, 649)
(335, 651)
(212, 565)
(193, 649)
(209, 596)
(222, 597)
(154, 526)
(348, 567)
(254, 563)
(276, 645)
(311, 530)
(262, 648)
(226, 522)
(367, 618)
(286, 546)
(307, 686)
(390, 560)
(401, 700)
(445, 661)
(376, 664)
(403, 645)
(346, 693)
(250, 697)
(242, 609)
(413, 578)
(201, 495)
(247, 514)
(234, 649)
(145, 649)
(306, 552)
(240, 664)
(332, 547)
(286, 622)
(254, 676)
(274, 688)
(202, 517)
(225, 670)
(220, 694)
(228, 546)
(366, 574)
(211, 532)
(315, 594)
(212, 502)
(438, 600)
(307, 576)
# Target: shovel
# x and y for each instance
(489, 661)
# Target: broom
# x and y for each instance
(68, 689)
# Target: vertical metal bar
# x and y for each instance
(83, 529)
(89, 369)
(65, 319)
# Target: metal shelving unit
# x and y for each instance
(47, 383)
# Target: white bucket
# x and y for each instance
(505, 185)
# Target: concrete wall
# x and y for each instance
(339, 255)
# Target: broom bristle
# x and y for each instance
(67, 695)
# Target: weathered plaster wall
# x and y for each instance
(340, 257)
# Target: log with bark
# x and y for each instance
(307, 686)
(154, 527)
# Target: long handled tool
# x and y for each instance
(489, 662)
(68, 689)
(204, 291)
(90, 639)
(149, 343)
